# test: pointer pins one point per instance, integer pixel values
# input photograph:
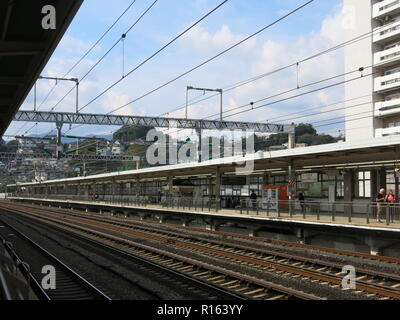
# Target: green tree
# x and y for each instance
(305, 133)
(136, 150)
(315, 139)
(131, 133)
(11, 146)
(305, 128)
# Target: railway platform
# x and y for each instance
(355, 231)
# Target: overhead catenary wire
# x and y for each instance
(301, 94)
(291, 97)
(244, 82)
(156, 53)
(90, 49)
(311, 57)
(108, 51)
(316, 108)
(346, 42)
(201, 64)
(210, 59)
(83, 57)
(308, 92)
(305, 93)
(285, 92)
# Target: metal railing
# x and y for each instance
(339, 211)
(12, 285)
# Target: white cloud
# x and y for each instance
(250, 59)
(200, 40)
(70, 44)
(114, 98)
(275, 54)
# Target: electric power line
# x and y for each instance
(107, 52)
(155, 54)
(200, 65)
(80, 60)
(210, 59)
(244, 82)
(298, 95)
(308, 92)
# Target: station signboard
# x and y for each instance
(233, 180)
(309, 177)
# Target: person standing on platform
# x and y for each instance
(159, 197)
(380, 200)
(390, 200)
(302, 202)
(253, 198)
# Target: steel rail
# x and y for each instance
(272, 286)
(78, 280)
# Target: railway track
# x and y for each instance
(374, 284)
(198, 289)
(246, 238)
(365, 276)
(69, 284)
(238, 255)
(237, 284)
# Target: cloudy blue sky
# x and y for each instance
(311, 30)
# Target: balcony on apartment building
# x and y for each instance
(387, 33)
(381, 132)
(387, 82)
(390, 55)
(385, 7)
(387, 108)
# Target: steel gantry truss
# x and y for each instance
(157, 122)
(82, 157)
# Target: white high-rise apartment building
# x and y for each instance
(373, 102)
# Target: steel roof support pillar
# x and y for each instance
(59, 144)
(291, 187)
(291, 141)
(217, 190)
(381, 179)
(348, 191)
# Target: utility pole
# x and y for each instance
(59, 144)
(76, 80)
(220, 91)
(199, 130)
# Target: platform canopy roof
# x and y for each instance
(25, 48)
(376, 153)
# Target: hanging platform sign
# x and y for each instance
(233, 180)
(309, 177)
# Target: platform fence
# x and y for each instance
(338, 211)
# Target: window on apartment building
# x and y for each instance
(389, 5)
(392, 96)
(391, 46)
(362, 187)
(392, 71)
(393, 124)
(393, 19)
